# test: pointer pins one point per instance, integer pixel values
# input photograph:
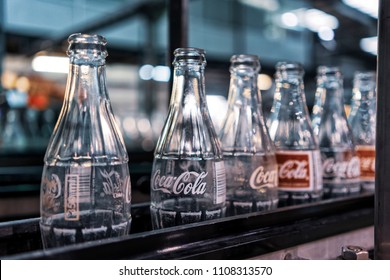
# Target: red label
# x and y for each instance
(294, 170)
(299, 170)
(366, 155)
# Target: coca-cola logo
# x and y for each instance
(189, 182)
(294, 170)
(262, 179)
(341, 169)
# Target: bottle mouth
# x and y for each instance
(287, 70)
(87, 39)
(364, 83)
(289, 66)
(189, 55)
(365, 76)
(328, 70)
(92, 45)
(244, 62)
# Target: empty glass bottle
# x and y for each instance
(297, 151)
(341, 167)
(85, 189)
(249, 155)
(188, 181)
(362, 120)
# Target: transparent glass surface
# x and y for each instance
(85, 188)
(297, 151)
(249, 155)
(188, 181)
(363, 120)
(340, 163)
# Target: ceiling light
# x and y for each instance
(312, 19)
(369, 7)
(369, 45)
(268, 5)
(146, 72)
(290, 19)
(316, 19)
(51, 64)
(326, 34)
(161, 73)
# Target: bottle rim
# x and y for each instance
(289, 66)
(190, 55)
(80, 38)
(365, 75)
(87, 47)
(328, 70)
(245, 61)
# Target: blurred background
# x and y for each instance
(34, 68)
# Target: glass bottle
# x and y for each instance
(188, 181)
(249, 155)
(85, 188)
(297, 151)
(363, 121)
(341, 167)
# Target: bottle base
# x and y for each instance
(335, 191)
(296, 198)
(175, 212)
(237, 207)
(102, 224)
(368, 187)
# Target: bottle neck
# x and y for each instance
(330, 91)
(86, 83)
(364, 94)
(290, 92)
(290, 126)
(188, 86)
(243, 90)
(364, 86)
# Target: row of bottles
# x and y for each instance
(293, 159)
(198, 175)
(346, 152)
(26, 122)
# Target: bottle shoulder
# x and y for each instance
(295, 134)
(245, 134)
(188, 132)
(86, 132)
(84, 161)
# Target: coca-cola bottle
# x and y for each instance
(297, 151)
(363, 121)
(249, 155)
(188, 181)
(85, 187)
(341, 167)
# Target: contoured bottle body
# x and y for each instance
(341, 166)
(85, 188)
(249, 155)
(188, 181)
(362, 120)
(297, 151)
